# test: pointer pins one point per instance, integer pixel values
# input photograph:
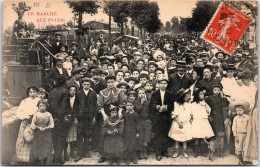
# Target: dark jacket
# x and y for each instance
(176, 83)
(56, 48)
(72, 82)
(161, 120)
(55, 101)
(88, 104)
(73, 111)
(74, 54)
(53, 76)
(218, 112)
(101, 85)
(209, 84)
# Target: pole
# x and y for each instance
(109, 28)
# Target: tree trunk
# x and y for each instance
(133, 31)
(141, 31)
(109, 29)
(122, 29)
(80, 25)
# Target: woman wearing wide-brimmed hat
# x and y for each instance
(250, 149)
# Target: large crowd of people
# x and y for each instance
(132, 101)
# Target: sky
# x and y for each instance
(168, 9)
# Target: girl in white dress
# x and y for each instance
(181, 126)
(200, 127)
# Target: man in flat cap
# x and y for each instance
(60, 130)
(99, 83)
(56, 46)
(86, 117)
(55, 72)
(180, 79)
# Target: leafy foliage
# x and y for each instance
(205, 10)
(119, 11)
(152, 23)
(83, 7)
(88, 7)
(168, 26)
(143, 14)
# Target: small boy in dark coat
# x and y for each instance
(130, 133)
(144, 124)
(217, 103)
(86, 118)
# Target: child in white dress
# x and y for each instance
(181, 126)
(68, 65)
(200, 127)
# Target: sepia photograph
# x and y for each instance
(129, 82)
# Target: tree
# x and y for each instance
(31, 26)
(153, 25)
(81, 7)
(143, 14)
(175, 25)
(108, 10)
(70, 24)
(205, 10)
(168, 26)
(152, 22)
(162, 28)
(119, 11)
(138, 13)
(183, 24)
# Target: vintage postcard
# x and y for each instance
(147, 82)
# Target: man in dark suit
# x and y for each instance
(161, 106)
(86, 118)
(60, 130)
(55, 72)
(179, 80)
(56, 46)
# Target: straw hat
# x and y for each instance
(182, 92)
(233, 104)
(123, 83)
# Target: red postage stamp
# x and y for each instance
(226, 28)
